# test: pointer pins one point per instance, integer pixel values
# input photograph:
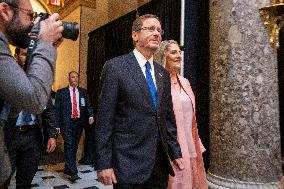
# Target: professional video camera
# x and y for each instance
(71, 29)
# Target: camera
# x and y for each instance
(71, 29)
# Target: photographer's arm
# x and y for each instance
(27, 91)
(30, 90)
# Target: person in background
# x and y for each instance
(193, 176)
(33, 87)
(73, 112)
(135, 131)
(25, 91)
(24, 137)
(20, 56)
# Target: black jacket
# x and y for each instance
(46, 121)
(63, 108)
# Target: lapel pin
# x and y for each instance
(160, 74)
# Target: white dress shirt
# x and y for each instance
(142, 61)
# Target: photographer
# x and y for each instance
(25, 91)
(24, 137)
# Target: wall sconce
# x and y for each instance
(273, 19)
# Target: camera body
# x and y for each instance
(71, 29)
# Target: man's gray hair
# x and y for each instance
(138, 22)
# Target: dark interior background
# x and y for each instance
(281, 88)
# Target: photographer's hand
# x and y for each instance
(58, 42)
(51, 30)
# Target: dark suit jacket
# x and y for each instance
(46, 121)
(63, 107)
(127, 124)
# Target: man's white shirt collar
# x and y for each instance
(142, 60)
(71, 88)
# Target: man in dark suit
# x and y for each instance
(135, 131)
(73, 112)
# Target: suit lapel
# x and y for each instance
(137, 74)
(68, 97)
(80, 96)
(159, 83)
(188, 90)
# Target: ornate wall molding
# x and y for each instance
(70, 6)
(273, 19)
(44, 5)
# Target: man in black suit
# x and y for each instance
(73, 112)
(135, 131)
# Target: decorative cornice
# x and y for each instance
(71, 5)
(273, 19)
(44, 5)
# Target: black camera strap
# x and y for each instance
(1, 104)
(32, 44)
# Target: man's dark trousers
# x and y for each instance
(158, 178)
(24, 151)
(89, 141)
(71, 137)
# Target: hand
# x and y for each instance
(179, 163)
(51, 30)
(106, 176)
(51, 145)
(91, 120)
(58, 42)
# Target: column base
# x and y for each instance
(217, 182)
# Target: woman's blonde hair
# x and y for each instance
(160, 54)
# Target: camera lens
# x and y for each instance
(71, 30)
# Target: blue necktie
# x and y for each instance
(151, 84)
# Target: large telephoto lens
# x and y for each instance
(71, 30)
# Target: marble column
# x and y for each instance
(244, 104)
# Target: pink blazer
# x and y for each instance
(177, 106)
(193, 176)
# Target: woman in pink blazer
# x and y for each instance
(193, 176)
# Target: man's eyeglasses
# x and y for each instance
(152, 29)
(29, 12)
